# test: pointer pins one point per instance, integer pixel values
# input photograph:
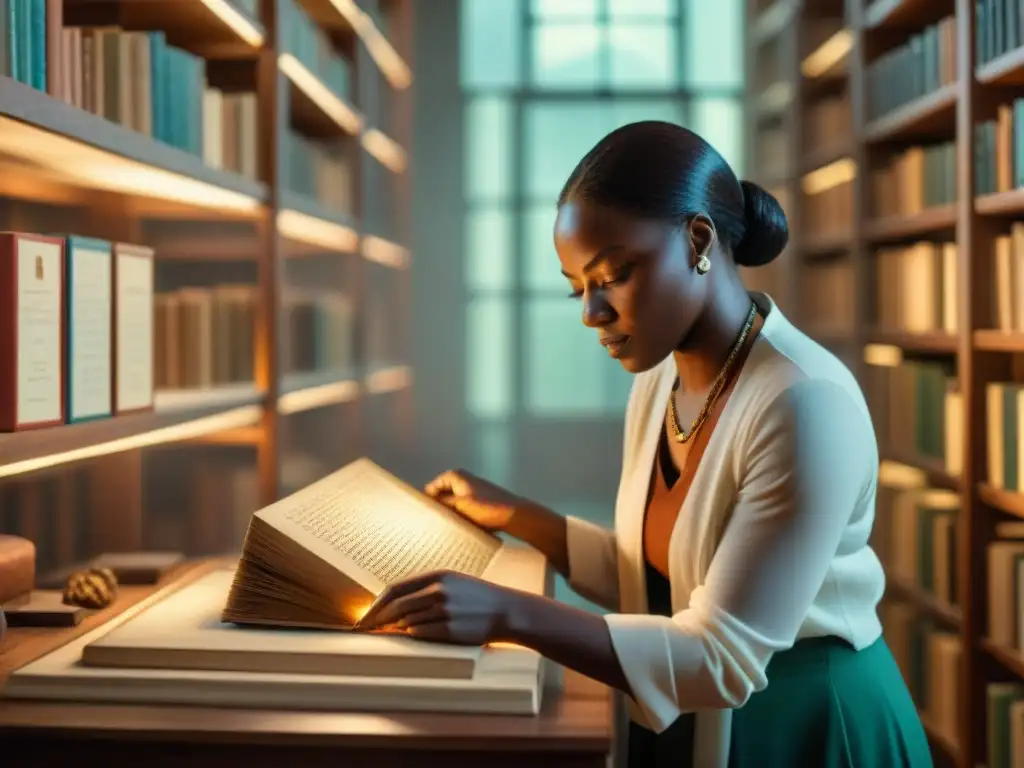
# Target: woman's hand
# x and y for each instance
(486, 504)
(443, 606)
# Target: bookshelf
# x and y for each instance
(262, 154)
(924, 253)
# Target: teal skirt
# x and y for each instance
(826, 705)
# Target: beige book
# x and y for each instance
(320, 557)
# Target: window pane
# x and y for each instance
(642, 55)
(713, 43)
(624, 9)
(492, 452)
(491, 34)
(488, 143)
(566, 55)
(542, 269)
(560, 9)
(488, 249)
(489, 368)
(626, 111)
(556, 138)
(566, 366)
(720, 122)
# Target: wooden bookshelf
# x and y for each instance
(948, 232)
(291, 183)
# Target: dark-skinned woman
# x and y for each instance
(742, 588)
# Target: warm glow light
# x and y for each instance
(237, 21)
(500, 645)
(832, 175)
(387, 151)
(775, 97)
(828, 54)
(317, 397)
(304, 228)
(99, 169)
(892, 474)
(389, 379)
(383, 54)
(232, 419)
(329, 102)
(385, 252)
(886, 355)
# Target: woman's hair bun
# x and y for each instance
(767, 230)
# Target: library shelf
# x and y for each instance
(1009, 203)
(927, 116)
(933, 470)
(1008, 502)
(303, 220)
(935, 342)
(1007, 69)
(316, 110)
(998, 341)
(213, 29)
(825, 245)
(176, 416)
(942, 741)
(773, 20)
(382, 379)
(1010, 658)
(950, 615)
(317, 389)
(932, 220)
(384, 150)
(195, 248)
(897, 14)
(821, 157)
(91, 152)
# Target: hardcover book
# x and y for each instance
(133, 328)
(31, 331)
(89, 322)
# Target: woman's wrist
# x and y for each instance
(543, 529)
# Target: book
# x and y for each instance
(89, 322)
(320, 557)
(31, 331)
(133, 328)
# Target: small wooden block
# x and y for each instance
(138, 568)
(42, 608)
(17, 567)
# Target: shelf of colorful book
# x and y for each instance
(213, 29)
(933, 220)
(62, 143)
(926, 116)
(176, 416)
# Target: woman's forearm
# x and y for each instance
(576, 639)
(543, 529)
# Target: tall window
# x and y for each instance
(544, 80)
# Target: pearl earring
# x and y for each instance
(703, 265)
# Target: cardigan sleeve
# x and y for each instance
(810, 460)
(593, 562)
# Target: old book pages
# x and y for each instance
(184, 632)
(319, 557)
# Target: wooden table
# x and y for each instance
(574, 729)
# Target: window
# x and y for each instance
(544, 81)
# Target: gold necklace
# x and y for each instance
(716, 387)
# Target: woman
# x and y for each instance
(742, 585)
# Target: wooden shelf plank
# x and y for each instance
(1004, 501)
(821, 246)
(916, 342)
(316, 110)
(1001, 203)
(1010, 658)
(950, 615)
(930, 115)
(317, 389)
(934, 220)
(1007, 69)
(213, 30)
(901, 14)
(87, 151)
(176, 417)
(933, 469)
(304, 221)
(819, 157)
(999, 341)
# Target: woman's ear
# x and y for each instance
(701, 234)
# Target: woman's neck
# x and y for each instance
(699, 359)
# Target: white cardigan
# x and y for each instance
(770, 546)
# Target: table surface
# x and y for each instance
(577, 716)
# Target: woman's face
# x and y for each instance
(635, 279)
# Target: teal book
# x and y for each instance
(37, 25)
(89, 306)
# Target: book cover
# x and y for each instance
(133, 328)
(89, 321)
(32, 382)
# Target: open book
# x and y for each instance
(319, 557)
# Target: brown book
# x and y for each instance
(320, 557)
(32, 334)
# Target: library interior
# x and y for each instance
(340, 220)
